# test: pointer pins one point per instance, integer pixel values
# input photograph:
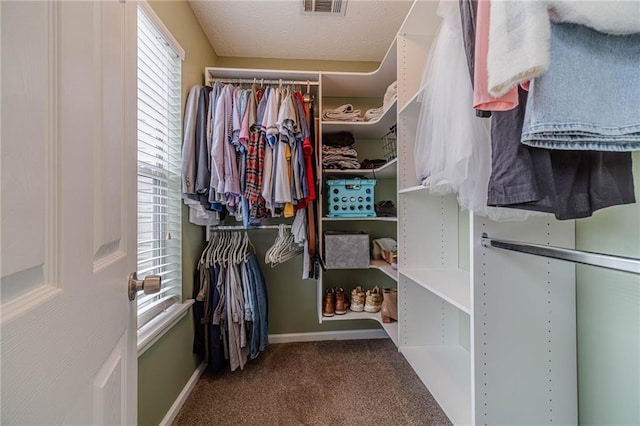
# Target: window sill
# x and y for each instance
(157, 327)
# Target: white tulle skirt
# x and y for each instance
(453, 146)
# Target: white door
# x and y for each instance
(68, 168)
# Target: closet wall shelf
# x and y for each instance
(374, 129)
(362, 84)
(347, 219)
(387, 171)
(386, 268)
(390, 328)
(451, 285)
(446, 371)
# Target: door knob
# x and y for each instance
(150, 284)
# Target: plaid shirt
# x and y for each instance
(255, 164)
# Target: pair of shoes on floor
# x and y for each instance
(335, 302)
(369, 301)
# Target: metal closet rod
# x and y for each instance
(265, 81)
(242, 228)
(617, 263)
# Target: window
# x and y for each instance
(159, 152)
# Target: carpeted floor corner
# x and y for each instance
(357, 382)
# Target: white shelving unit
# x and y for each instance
(490, 333)
(360, 89)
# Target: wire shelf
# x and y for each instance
(389, 144)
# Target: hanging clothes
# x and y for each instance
(249, 153)
(452, 151)
(569, 184)
(195, 161)
(231, 303)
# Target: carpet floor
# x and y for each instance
(357, 382)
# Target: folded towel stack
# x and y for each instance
(390, 95)
(342, 113)
(373, 114)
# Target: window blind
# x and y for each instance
(159, 183)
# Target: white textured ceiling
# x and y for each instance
(277, 29)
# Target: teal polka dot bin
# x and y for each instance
(350, 198)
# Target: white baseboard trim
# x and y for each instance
(328, 335)
(182, 397)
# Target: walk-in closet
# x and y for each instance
(347, 212)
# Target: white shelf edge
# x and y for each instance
(374, 129)
(346, 219)
(390, 328)
(386, 268)
(379, 78)
(446, 371)
(388, 113)
(413, 101)
(387, 55)
(387, 170)
(413, 189)
(389, 165)
(451, 285)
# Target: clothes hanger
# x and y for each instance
(284, 247)
(238, 254)
(203, 256)
(217, 255)
(290, 248)
(207, 252)
(245, 247)
(235, 246)
(307, 96)
(227, 250)
(252, 248)
(269, 255)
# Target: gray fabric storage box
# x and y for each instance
(346, 250)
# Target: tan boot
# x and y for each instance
(329, 304)
(341, 302)
(389, 309)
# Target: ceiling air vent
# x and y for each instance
(324, 7)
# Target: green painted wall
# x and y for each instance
(165, 368)
(608, 314)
